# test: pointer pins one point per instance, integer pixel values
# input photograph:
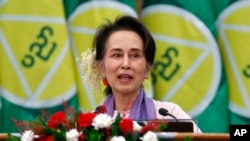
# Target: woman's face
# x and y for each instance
(124, 64)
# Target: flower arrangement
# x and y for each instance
(71, 125)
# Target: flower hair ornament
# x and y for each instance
(91, 75)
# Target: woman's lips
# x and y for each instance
(125, 76)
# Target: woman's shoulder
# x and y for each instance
(172, 108)
(175, 110)
(165, 104)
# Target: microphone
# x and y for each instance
(164, 112)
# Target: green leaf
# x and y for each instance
(59, 135)
(95, 136)
(49, 131)
(134, 136)
(40, 120)
(115, 130)
(163, 127)
(92, 134)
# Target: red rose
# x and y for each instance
(57, 119)
(126, 125)
(85, 120)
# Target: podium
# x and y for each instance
(172, 136)
(175, 136)
(182, 125)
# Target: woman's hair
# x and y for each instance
(124, 23)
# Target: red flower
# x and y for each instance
(126, 125)
(69, 119)
(57, 119)
(45, 138)
(38, 129)
(100, 109)
(81, 137)
(152, 125)
(107, 132)
(84, 120)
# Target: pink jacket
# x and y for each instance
(172, 108)
(175, 110)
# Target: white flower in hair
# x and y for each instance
(91, 74)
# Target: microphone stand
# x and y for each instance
(164, 112)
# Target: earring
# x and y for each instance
(105, 82)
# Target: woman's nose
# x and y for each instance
(126, 63)
(125, 67)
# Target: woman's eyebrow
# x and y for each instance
(132, 49)
(115, 49)
(136, 49)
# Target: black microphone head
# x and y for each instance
(163, 112)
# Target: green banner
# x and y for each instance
(201, 58)
(233, 28)
(37, 69)
(197, 60)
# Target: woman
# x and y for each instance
(125, 53)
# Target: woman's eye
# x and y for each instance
(135, 55)
(116, 55)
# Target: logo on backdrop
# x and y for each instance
(234, 33)
(34, 46)
(187, 66)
